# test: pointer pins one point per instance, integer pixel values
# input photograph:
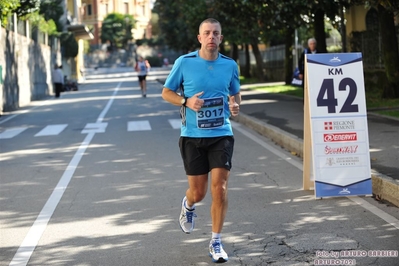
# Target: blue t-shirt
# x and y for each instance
(218, 79)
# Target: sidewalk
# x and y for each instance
(280, 118)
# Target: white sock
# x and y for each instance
(188, 207)
(216, 237)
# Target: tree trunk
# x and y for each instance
(259, 60)
(234, 52)
(222, 50)
(247, 69)
(289, 40)
(390, 52)
(319, 33)
(343, 28)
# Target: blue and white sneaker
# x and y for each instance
(216, 252)
(187, 217)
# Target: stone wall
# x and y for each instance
(26, 70)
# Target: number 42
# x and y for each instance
(331, 102)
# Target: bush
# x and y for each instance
(70, 47)
(154, 61)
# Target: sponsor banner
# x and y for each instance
(337, 88)
(342, 160)
(338, 123)
(328, 190)
(340, 137)
(350, 176)
(344, 149)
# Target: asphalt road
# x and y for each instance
(95, 178)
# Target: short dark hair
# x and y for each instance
(209, 20)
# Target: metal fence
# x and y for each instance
(24, 28)
(368, 43)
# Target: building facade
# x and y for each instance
(363, 34)
(93, 13)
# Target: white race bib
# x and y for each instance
(211, 114)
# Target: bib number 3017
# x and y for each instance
(326, 96)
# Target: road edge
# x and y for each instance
(383, 187)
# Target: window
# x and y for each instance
(372, 20)
(126, 8)
(89, 10)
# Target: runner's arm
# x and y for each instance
(172, 97)
(237, 97)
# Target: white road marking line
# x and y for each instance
(31, 240)
(175, 123)
(138, 125)
(380, 213)
(371, 208)
(105, 110)
(94, 128)
(51, 130)
(11, 132)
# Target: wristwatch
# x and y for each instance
(184, 101)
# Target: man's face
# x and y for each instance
(312, 45)
(210, 36)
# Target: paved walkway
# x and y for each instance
(280, 118)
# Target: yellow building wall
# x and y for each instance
(139, 9)
(78, 61)
(70, 7)
(356, 19)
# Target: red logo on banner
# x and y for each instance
(339, 125)
(340, 150)
(335, 137)
(328, 126)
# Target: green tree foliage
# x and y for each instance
(117, 30)
(27, 6)
(52, 10)
(273, 22)
(279, 27)
(70, 46)
(7, 7)
(25, 9)
(245, 26)
(39, 19)
(387, 9)
(390, 51)
(154, 25)
(179, 21)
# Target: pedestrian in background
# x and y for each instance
(58, 80)
(165, 62)
(210, 94)
(311, 49)
(142, 67)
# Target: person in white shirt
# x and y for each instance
(58, 80)
(142, 67)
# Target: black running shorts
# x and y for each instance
(200, 155)
(141, 78)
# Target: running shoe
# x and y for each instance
(216, 252)
(186, 219)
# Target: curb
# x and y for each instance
(383, 187)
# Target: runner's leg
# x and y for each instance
(219, 181)
(197, 188)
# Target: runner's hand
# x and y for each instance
(233, 106)
(195, 103)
